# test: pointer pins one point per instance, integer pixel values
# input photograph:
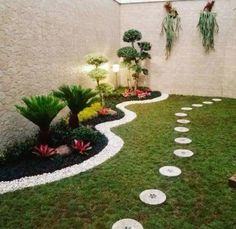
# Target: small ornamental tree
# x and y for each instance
(134, 55)
(98, 74)
(208, 26)
(171, 26)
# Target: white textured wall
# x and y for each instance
(42, 43)
(189, 70)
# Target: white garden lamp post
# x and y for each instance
(116, 69)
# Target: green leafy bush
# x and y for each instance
(105, 90)
(41, 110)
(77, 98)
(84, 133)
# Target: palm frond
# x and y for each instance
(76, 97)
(40, 110)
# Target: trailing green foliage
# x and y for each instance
(208, 26)
(132, 58)
(77, 98)
(41, 110)
(171, 25)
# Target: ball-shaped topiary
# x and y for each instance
(96, 59)
(132, 35)
(98, 74)
(128, 53)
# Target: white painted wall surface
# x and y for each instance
(42, 44)
(189, 70)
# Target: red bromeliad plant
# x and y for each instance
(107, 111)
(139, 93)
(80, 146)
(44, 151)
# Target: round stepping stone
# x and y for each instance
(170, 171)
(181, 129)
(183, 140)
(127, 224)
(186, 108)
(153, 197)
(183, 121)
(216, 100)
(181, 115)
(183, 153)
(207, 102)
(197, 105)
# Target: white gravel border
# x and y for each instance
(115, 143)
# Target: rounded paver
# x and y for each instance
(181, 129)
(153, 197)
(183, 140)
(181, 115)
(127, 224)
(170, 171)
(207, 102)
(197, 105)
(183, 121)
(186, 108)
(183, 153)
(216, 100)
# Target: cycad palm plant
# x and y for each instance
(77, 98)
(41, 110)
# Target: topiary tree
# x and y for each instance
(171, 26)
(98, 73)
(208, 26)
(134, 55)
(41, 110)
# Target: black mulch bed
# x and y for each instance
(33, 165)
(30, 164)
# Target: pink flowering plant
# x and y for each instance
(80, 146)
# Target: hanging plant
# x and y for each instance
(171, 26)
(208, 26)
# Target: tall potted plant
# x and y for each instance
(208, 26)
(171, 26)
(134, 55)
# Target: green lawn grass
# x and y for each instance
(200, 198)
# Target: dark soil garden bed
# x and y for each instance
(21, 162)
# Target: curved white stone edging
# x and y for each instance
(115, 143)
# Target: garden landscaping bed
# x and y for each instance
(21, 162)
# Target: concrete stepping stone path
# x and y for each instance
(183, 153)
(153, 197)
(216, 100)
(183, 121)
(181, 115)
(186, 108)
(127, 224)
(181, 129)
(197, 105)
(183, 140)
(207, 102)
(170, 171)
